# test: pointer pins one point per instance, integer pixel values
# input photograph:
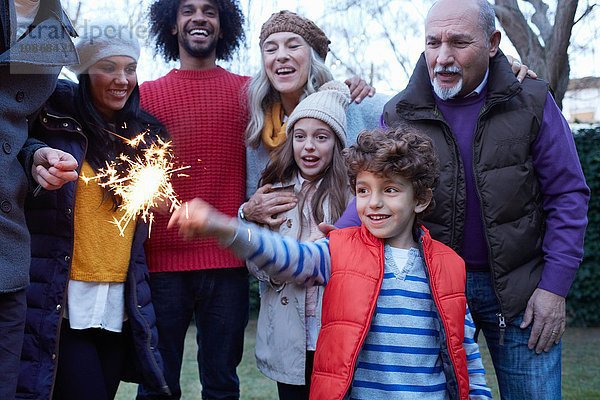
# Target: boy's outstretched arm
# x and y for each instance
(478, 389)
(283, 258)
(197, 218)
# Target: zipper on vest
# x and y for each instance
(502, 326)
(501, 320)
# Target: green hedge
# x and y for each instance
(583, 302)
(254, 297)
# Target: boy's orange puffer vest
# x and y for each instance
(357, 263)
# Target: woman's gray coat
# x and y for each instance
(29, 67)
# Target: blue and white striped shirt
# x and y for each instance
(401, 357)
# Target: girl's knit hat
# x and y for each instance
(287, 21)
(329, 105)
(102, 39)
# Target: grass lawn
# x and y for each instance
(581, 369)
(580, 362)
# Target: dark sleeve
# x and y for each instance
(25, 157)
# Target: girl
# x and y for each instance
(310, 166)
(90, 320)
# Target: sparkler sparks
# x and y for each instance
(142, 182)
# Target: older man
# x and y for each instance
(34, 45)
(512, 198)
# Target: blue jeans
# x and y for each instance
(522, 374)
(13, 308)
(218, 299)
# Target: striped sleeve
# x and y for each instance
(478, 389)
(283, 258)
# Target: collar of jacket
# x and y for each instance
(59, 112)
(294, 184)
(421, 234)
(48, 43)
(416, 103)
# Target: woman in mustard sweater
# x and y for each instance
(90, 320)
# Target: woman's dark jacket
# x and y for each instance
(50, 222)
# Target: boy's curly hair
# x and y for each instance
(163, 16)
(403, 151)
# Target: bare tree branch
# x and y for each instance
(343, 63)
(550, 59)
(540, 19)
(518, 30)
(587, 11)
(391, 40)
(78, 12)
(556, 52)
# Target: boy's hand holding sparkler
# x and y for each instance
(198, 218)
(52, 168)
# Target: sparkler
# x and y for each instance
(145, 183)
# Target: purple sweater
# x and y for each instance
(561, 182)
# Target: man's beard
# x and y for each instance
(202, 51)
(446, 93)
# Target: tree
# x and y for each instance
(544, 51)
(379, 40)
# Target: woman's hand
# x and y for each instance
(198, 218)
(325, 228)
(359, 89)
(52, 168)
(264, 206)
(162, 207)
(520, 70)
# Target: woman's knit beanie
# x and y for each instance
(329, 105)
(287, 21)
(102, 39)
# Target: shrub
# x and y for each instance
(583, 302)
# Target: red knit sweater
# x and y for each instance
(205, 113)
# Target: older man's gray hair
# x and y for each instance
(487, 17)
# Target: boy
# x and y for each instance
(394, 321)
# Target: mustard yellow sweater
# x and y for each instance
(100, 253)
